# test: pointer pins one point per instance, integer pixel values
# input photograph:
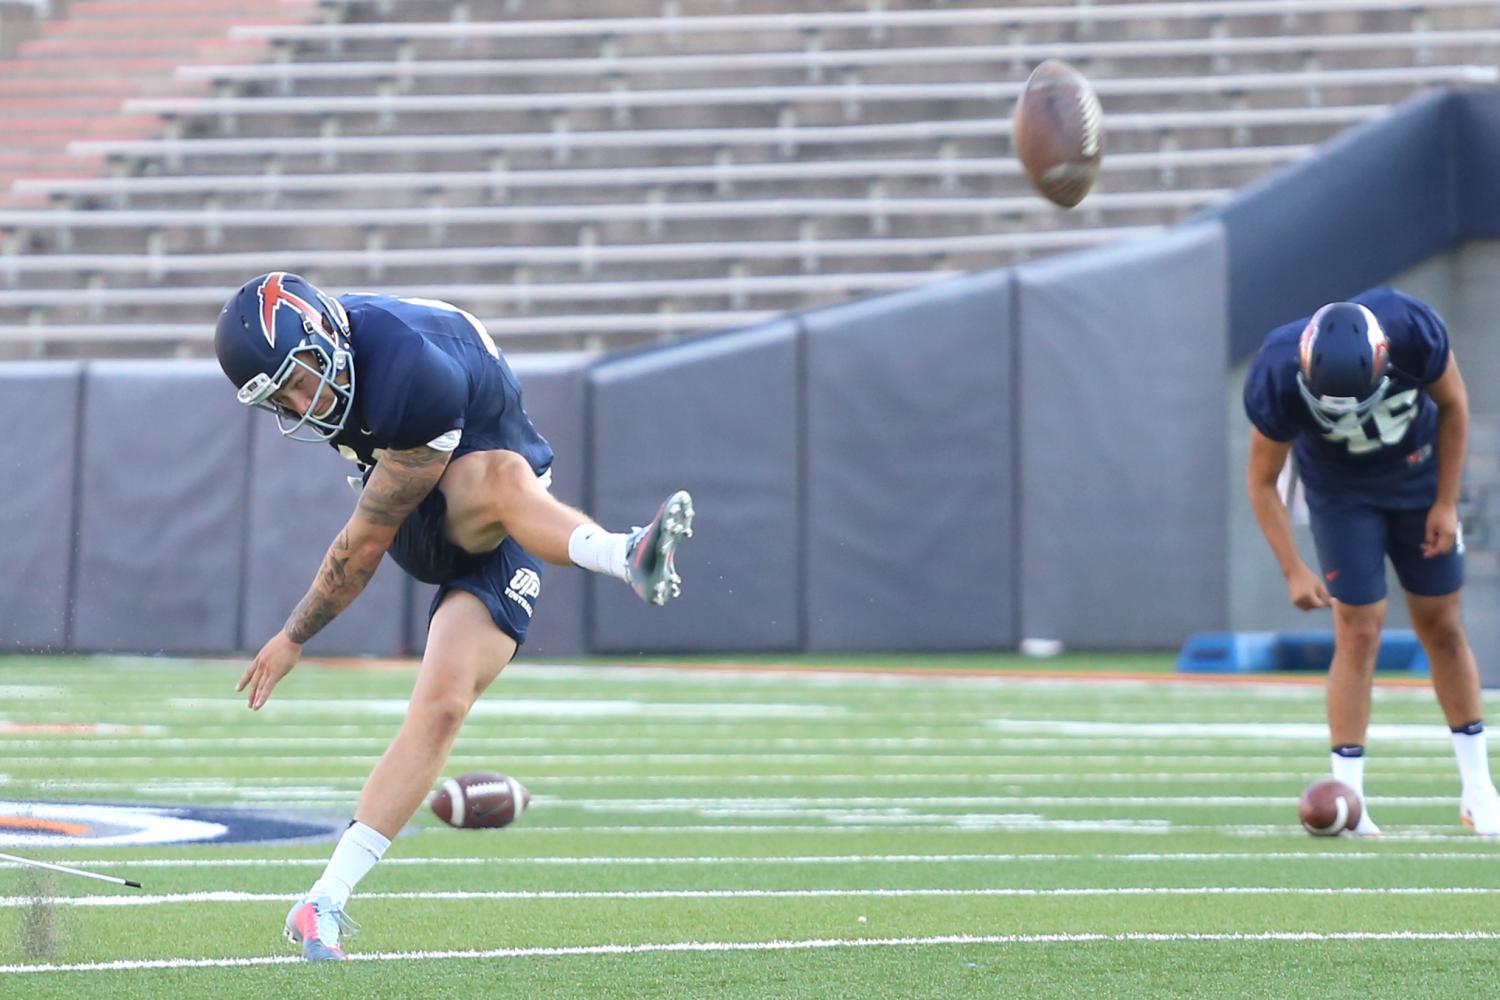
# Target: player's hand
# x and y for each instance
(1306, 590)
(1442, 529)
(274, 661)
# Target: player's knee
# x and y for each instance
(1444, 637)
(494, 490)
(508, 474)
(1359, 635)
(441, 716)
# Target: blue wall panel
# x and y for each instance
(1374, 201)
(909, 519)
(39, 410)
(719, 417)
(1477, 145)
(1122, 430)
(299, 499)
(162, 517)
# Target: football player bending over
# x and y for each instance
(1369, 395)
(455, 485)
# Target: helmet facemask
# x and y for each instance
(1329, 411)
(325, 365)
(1354, 377)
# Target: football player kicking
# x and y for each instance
(454, 486)
(1369, 395)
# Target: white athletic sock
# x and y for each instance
(1349, 770)
(1472, 750)
(357, 851)
(593, 548)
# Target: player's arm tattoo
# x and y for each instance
(400, 481)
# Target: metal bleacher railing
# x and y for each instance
(876, 19)
(654, 183)
(813, 62)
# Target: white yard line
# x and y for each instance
(1442, 763)
(321, 783)
(603, 861)
(813, 944)
(225, 896)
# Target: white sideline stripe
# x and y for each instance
(230, 896)
(280, 788)
(1417, 763)
(815, 944)
(373, 746)
(773, 859)
(957, 824)
(589, 708)
(761, 803)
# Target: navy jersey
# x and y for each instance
(424, 369)
(1387, 460)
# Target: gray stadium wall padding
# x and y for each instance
(1374, 201)
(909, 515)
(1478, 151)
(39, 409)
(1122, 430)
(719, 417)
(299, 499)
(552, 393)
(162, 511)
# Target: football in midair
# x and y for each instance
(480, 799)
(1329, 807)
(1057, 130)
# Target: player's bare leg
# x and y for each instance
(1455, 679)
(492, 494)
(465, 653)
(495, 494)
(1356, 644)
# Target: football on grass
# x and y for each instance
(1058, 133)
(1328, 808)
(480, 799)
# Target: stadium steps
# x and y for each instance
(380, 111)
(71, 80)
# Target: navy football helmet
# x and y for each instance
(274, 325)
(1345, 363)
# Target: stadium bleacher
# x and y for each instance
(590, 182)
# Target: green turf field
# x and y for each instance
(757, 834)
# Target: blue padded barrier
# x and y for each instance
(299, 499)
(1121, 423)
(1375, 200)
(909, 476)
(718, 416)
(1297, 650)
(162, 513)
(39, 409)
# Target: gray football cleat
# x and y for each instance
(319, 928)
(650, 549)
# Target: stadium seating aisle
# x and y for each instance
(761, 154)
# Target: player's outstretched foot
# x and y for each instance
(1480, 812)
(650, 549)
(1366, 826)
(317, 927)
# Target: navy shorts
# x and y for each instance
(1354, 541)
(508, 579)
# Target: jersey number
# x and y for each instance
(1392, 416)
